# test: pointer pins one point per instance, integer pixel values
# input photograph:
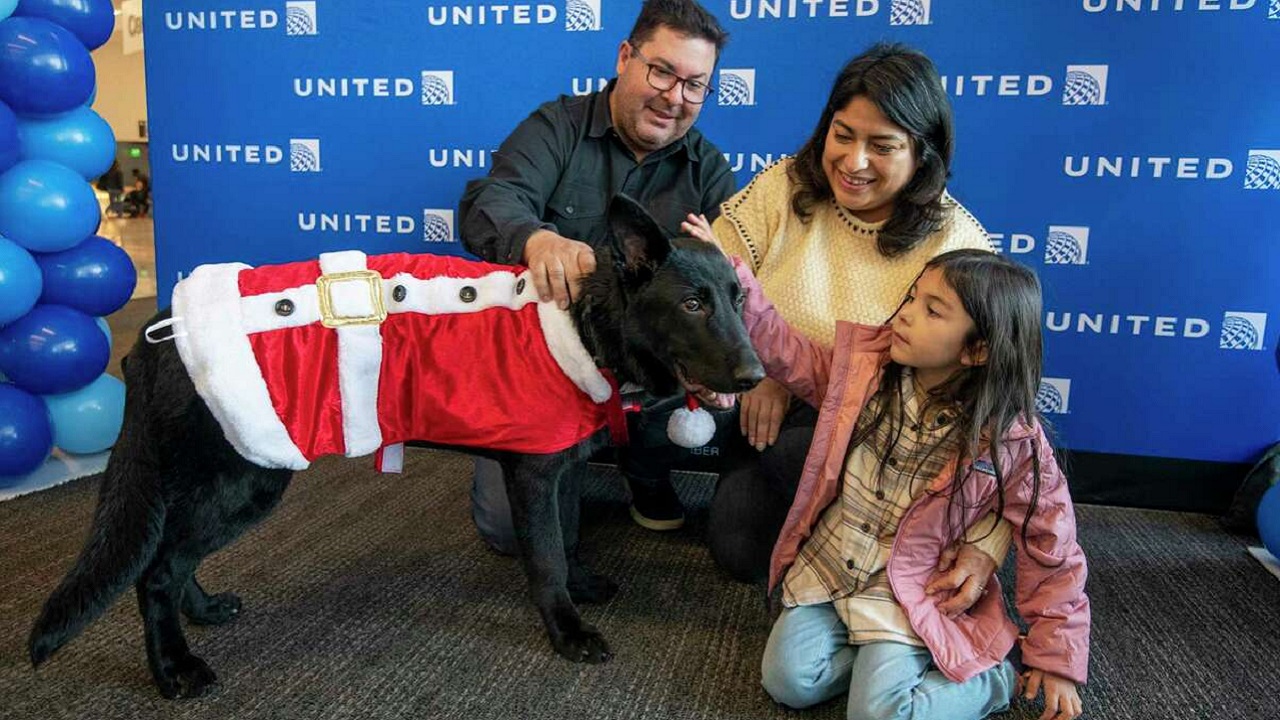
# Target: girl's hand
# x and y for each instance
(698, 227)
(760, 417)
(1061, 699)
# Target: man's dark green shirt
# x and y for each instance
(560, 167)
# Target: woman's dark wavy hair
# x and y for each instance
(905, 86)
(983, 401)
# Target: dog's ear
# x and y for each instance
(643, 245)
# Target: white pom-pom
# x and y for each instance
(691, 426)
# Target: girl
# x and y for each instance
(927, 427)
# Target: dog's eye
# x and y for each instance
(692, 305)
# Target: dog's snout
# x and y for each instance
(748, 376)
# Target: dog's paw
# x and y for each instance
(187, 677)
(216, 610)
(585, 645)
(588, 588)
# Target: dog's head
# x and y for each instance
(682, 310)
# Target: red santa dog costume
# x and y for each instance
(353, 353)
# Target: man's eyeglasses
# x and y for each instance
(660, 78)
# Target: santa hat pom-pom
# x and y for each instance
(691, 426)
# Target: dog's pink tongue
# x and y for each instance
(723, 401)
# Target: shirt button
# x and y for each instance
(467, 294)
(398, 293)
(520, 286)
(284, 308)
(866, 527)
(568, 209)
(893, 462)
(879, 494)
(849, 564)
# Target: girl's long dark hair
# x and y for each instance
(905, 86)
(983, 401)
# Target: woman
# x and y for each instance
(837, 232)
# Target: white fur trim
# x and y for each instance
(566, 347)
(221, 363)
(359, 354)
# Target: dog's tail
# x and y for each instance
(127, 525)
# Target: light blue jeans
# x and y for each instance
(808, 660)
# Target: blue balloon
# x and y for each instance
(46, 207)
(44, 69)
(88, 420)
(10, 143)
(79, 139)
(53, 349)
(1269, 520)
(7, 7)
(95, 277)
(26, 435)
(91, 20)
(20, 281)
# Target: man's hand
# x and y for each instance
(965, 569)
(558, 265)
(763, 408)
(1061, 698)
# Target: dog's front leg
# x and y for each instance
(533, 489)
(585, 586)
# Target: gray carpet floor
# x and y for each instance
(370, 596)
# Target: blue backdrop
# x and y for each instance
(1128, 150)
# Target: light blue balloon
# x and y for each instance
(17, 282)
(46, 206)
(6, 8)
(88, 420)
(79, 139)
(106, 329)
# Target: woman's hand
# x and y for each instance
(763, 408)
(698, 227)
(1061, 699)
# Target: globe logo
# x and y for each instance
(1238, 333)
(1062, 248)
(580, 16)
(304, 156)
(435, 228)
(1081, 88)
(1049, 399)
(436, 90)
(300, 18)
(1274, 12)
(735, 89)
(1263, 171)
(909, 12)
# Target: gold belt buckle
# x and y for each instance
(332, 320)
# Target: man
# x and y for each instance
(544, 204)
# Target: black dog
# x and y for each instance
(660, 313)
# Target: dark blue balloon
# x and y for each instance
(26, 434)
(20, 281)
(95, 277)
(91, 20)
(10, 143)
(53, 349)
(46, 206)
(1269, 520)
(79, 139)
(44, 69)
